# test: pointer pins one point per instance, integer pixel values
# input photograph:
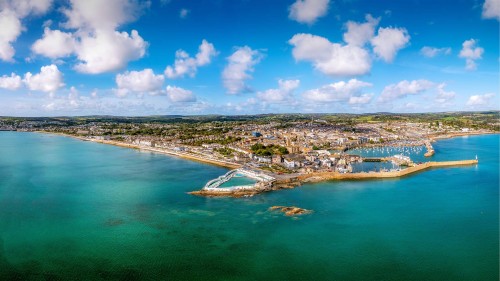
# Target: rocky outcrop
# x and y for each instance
(290, 211)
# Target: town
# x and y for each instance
(276, 146)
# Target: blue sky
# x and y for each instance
(126, 57)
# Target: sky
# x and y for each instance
(192, 57)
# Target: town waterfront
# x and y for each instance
(70, 208)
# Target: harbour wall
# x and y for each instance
(322, 176)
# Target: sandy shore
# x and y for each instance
(185, 155)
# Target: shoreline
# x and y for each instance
(188, 156)
(291, 181)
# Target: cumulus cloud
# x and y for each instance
(403, 89)
(12, 82)
(54, 44)
(48, 80)
(11, 14)
(96, 42)
(350, 91)
(283, 93)
(11, 29)
(389, 41)
(352, 58)
(107, 50)
(491, 9)
(92, 15)
(178, 95)
(480, 100)
(144, 81)
(431, 52)
(471, 52)
(330, 58)
(358, 34)
(237, 70)
(308, 11)
(186, 65)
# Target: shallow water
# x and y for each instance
(238, 180)
(71, 209)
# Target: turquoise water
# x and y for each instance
(373, 166)
(238, 180)
(73, 210)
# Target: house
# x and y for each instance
(277, 159)
(289, 163)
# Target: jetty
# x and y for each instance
(430, 148)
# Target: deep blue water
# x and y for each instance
(73, 210)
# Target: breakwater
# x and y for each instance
(323, 176)
(430, 149)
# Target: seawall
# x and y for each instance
(322, 176)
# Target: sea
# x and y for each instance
(77, 210)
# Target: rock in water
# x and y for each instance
(290, 211)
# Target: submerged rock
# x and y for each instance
(290, 211)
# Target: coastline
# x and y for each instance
(291, 181)
(188, 156)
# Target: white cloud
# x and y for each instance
(404, 88)
(471, 52)
(363, 99)
(54, 44)
(283, 93)
(49, 80)
(240, 64)
(352, 58)
(12, 82)
(330, 58)
(184, 64)
(308, 11)
(443, 96)
(389, 41)
(480, 100)
(177, 94)
(96, 43)
(431, 52)
(11, 29)
(491, 9)
(11, 14)
(183, 13)
(358, 34)
(92, 15)
(107, 51)
(144, 81)
(350, 91)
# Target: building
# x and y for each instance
(277, 159)
(256, 134)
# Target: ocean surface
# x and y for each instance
(75, 210)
